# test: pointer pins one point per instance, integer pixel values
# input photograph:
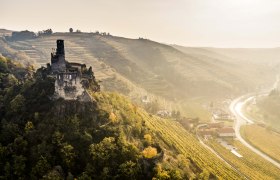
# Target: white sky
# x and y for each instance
(218, 23)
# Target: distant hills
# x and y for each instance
(137, 67)
(5, 32)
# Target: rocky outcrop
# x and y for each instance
(65, 108)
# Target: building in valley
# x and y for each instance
(226, 132)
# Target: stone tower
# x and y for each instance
(60, 47)
(58, 62)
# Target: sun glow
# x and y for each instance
(220, 23)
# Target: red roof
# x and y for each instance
(206, 132)
(226, 130)
(216, 125)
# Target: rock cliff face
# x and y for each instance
(66, 108)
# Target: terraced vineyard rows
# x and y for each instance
(251, 165)
(258, 136)
(38, 51)
(176, 136)
(95, 51)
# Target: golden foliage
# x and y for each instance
(28, 126)
(149, 152)
(148, 138)
(113, 117)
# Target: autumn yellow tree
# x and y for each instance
(149, 152)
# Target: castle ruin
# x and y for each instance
(72, 80)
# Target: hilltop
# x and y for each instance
(5, 32)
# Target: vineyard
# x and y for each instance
(185, 143)
(258, 136)
(251, 165)
(132, 67)
(136, 67)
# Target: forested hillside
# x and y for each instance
(104, 139)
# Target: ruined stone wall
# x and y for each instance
(68, 91)
(59, 65)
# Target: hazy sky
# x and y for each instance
(219, 23)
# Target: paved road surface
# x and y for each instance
(236, 109)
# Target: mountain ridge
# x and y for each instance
(142, 66)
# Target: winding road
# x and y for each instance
(236, 109)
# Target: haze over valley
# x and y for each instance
(186, 90)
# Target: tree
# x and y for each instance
(45, 32)
(28, 126)
(113, 118)
(7, 170)
(48, 31)
(3, 64)
(68, 154)
(102, 152)
(161, 174)
(128, 170)
(175, 174)
(149, 152)
(148, 139)
(71, 30)
(11, 80)
(153, 107)
(19, 165)
(41, 168)
(17, 104)
(53, 175)
(90, 72)
(57, 138)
